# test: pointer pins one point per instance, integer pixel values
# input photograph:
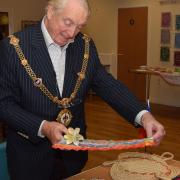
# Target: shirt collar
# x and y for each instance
(47, 37)
(48, 40)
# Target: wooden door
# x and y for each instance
(132, 48)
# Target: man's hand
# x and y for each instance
(54, 131)
(153, 128)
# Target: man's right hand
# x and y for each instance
(54, 131)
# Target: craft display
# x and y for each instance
(74, 141)
(171, 78)
(170, 75)
(142, 166)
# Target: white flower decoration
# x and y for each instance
(73, 136)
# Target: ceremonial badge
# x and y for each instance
(64, 117)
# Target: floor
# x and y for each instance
(104, 123)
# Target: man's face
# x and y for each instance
(64, 25)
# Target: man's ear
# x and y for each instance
(50, 11)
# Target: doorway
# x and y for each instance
(132, 48)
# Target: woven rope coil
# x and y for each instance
(141, 166)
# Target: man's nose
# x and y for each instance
(72, 31)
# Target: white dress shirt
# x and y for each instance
(57, 55)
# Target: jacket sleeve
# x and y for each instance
(21, 121)
(114, 92)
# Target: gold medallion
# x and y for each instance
(64, 117)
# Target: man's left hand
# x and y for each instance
(152, 127)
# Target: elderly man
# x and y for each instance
(46, 72)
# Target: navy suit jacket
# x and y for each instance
(23, 106)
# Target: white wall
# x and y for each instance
(102, 27)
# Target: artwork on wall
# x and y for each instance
(177, 40)
(177, 22)
(26, 23)
(177, 58)
(4, 24)
(170, 38)
(165, 53)
(166, 19)
(165, 36)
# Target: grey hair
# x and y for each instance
(60, 4)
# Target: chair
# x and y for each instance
(3, 162)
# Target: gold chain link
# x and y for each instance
(38, 81)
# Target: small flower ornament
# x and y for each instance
(73, 136)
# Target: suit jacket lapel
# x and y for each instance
(43, 61)
(70, 76)
(74, 57)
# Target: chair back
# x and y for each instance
(3, 162)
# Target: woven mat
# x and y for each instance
(142, 166)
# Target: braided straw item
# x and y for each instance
(104, 145)
(141, 166)
(75, 141)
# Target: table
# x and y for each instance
(102, 173)
(172, 78)
(99, 172)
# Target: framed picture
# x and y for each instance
(25, 23)
(166, 20)
(165, 36)
(4, 24)
(7, 21)
(177, 40)
(177, 58)
(165, 53)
